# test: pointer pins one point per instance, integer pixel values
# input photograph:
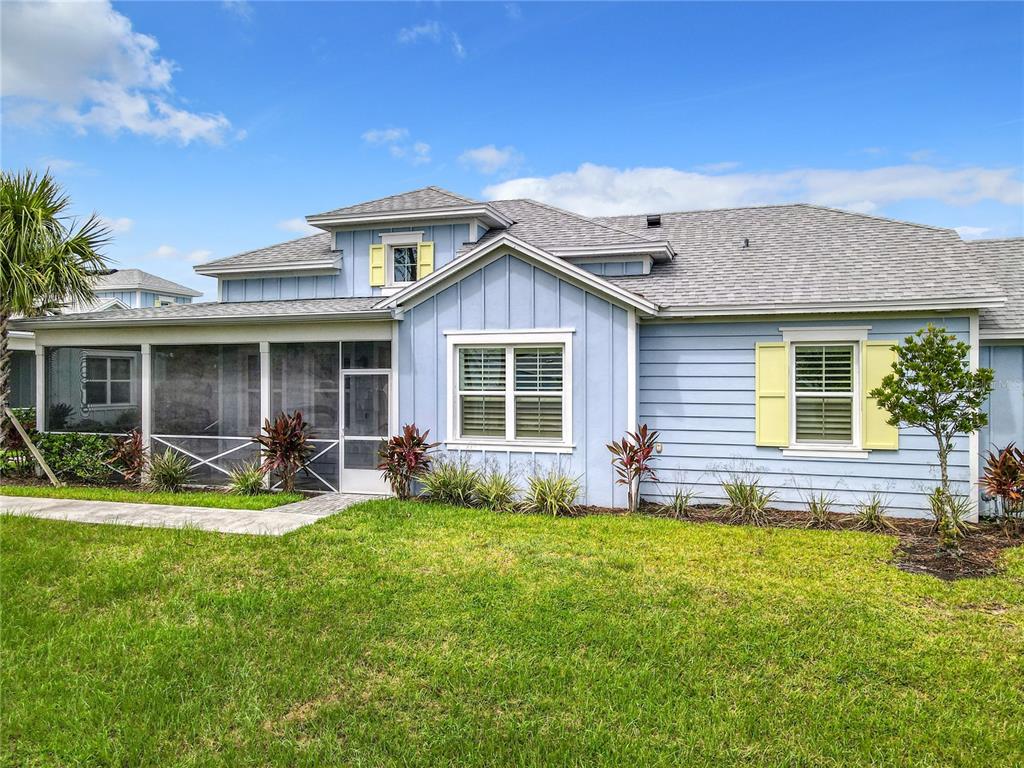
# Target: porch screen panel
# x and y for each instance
(206, 405)
(93, 389)
(304, 377)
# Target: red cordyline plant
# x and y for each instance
(130, 456)
(285, 445)
(405, 457)
(632, 458)
(1004, 479)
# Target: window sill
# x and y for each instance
(808, 452)
(520, 446)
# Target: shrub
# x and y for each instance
(404, 458)
(246, 479)
(496, 490)
(169, 471)
(451, 482)
(1004, 481)
(678, 505)
(871, 515)
(632, 459)
(819, 510)
(76, 456)
(950, 514)
(552, 494)
(748, 501)
(286, 446)
(130, 456)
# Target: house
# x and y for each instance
(114, 289)
(528, 337)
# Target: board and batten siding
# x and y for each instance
(353, 279)
(1005, 406)
(696, 387)
(511, 294)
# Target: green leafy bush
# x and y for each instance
(871, 515)
(451, 482)
(496, 490)
(77, 457)
(246, 479)
(552, 494)
(169, 471)
(748, 501)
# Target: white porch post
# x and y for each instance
(41, 388)
(147, 395)
(264, 393)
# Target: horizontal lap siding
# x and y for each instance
(1005, 406)
(696, 386)
(510, 294)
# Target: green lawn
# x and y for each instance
(184, 498)
(409, 634)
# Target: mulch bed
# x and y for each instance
(918, 551)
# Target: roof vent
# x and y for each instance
(746, 242)
(653, 220)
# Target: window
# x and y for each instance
(824, 392)
(404, 258)
(107, 380)
(511, 392)
(164, 301)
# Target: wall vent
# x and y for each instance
(653, 220)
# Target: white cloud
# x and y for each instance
(240, 8)
(432, 32)
(491, 159)
(513, 12)
(971, 233)
(118, 226)
(298, 225)
(420, 153)
(170, 252)
(83, 65)
(602, 190)
(396, 141)
(385, 135)
(727, 165)
(921, 155)
(59, 164)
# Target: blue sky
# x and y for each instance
(204, 129)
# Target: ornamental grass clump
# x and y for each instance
(553, 494)
(246, 479)
(169, 471)
(405, 458)
(871, 515)
(819, 510)
(497, 490)
(748, 501)
(678, 506)
(451, 482)
(951, 515)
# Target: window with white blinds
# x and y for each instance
(511, 392)
(824, 384)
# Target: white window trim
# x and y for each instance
(533, 338)
(132, 400)
(392, 240)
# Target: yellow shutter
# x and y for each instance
(378, 268)
(877, 358)
(771, 385)
(424, 260)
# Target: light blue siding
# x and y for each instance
(613, 268)
(510, 293)
(129, 298)
(353, 279)
(1005, 407)
(148, 299)
(696, 386)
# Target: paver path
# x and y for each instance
(267, 522)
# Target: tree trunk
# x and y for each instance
(5, 377)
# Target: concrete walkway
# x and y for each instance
(268, 522)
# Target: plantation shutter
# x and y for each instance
(424, 260)
(482, 370)
(538, 370)
(378, 265)
(877, 359)
(823, 393)
(771, 379)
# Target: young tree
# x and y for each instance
(46, 259)
(933, 387)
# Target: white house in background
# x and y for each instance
(115, 289)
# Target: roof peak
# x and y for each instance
(422, 198)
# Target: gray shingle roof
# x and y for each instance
(1004, 260)
(215, 311)
(418, 199)
(137, 279)
(802, 254)
(311, 247)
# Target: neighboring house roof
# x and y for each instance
(791, 256)
(137, 279)
(1004, 259)
(213, 312)
(417, 200)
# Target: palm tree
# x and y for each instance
(46, 259)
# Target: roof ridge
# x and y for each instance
(994, 239)
(703, 210)
(580, 216)
(448, 192)
(263, 248)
